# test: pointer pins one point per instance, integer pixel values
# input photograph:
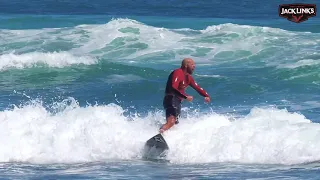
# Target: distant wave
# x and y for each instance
(301, 63)
(129, 41)
(207, 75)
(33, 59)
(117, 78)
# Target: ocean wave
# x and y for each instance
(128, 40)
(33, 59)
(100, 132)
(300, 63)
(117, 78)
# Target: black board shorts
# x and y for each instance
(172, 105)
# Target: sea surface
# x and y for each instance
(82, 83)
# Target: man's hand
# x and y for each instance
(207, 99)
(189, 98)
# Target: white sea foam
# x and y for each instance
(75, 134)
(264, 136)
(95, 133)
(55, 59)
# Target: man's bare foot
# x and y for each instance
(161, 131)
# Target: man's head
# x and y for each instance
(188, 65)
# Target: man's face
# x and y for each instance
(190, 67)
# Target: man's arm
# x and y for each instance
(176, 78)
(195, 86)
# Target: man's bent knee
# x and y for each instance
(171, 119)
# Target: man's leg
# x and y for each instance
(171, 120)
(172, 107)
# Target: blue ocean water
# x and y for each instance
(82, 86)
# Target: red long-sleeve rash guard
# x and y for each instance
(178, 82)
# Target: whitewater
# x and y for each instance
(77, 134)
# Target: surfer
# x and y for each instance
(177, 82)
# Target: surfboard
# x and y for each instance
(156, 147)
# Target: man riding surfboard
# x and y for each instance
(177, 82)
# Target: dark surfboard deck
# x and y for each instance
(156, 147)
